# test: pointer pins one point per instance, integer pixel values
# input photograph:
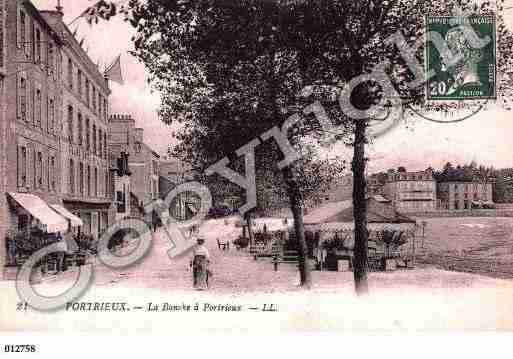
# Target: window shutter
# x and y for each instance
(28, 101)
(18, 44)
(29, 167)
(18, 89)
(31, 47)
(18, 167)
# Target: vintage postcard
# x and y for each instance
(238, 166)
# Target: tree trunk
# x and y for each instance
(360, 263)
(296, 205)
(250, 229)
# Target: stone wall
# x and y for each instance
(464, 213)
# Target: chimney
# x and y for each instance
(59, 8)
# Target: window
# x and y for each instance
(38, 47)
(71, 176)
(22, 99)
(50, 59)
(22, 166)
(105, 109)
(88, 135)
(100, 136)
(120, 198)
(107, 190)
(2, 33)
(31, 103)
(105, 145)
(81, 178)
(70, 73)
(38, 108)
(79, 81)
(39, 169)
(94, 139)
(70, 124)
(23, 223)
(94, 99)
(51, 114)
(51, 174)
(88, 93)
(22, 31)
(80, 134)
(95, 193)
(34, 169)
(88, 181)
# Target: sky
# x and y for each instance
(484, 138)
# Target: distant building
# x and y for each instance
(343, 189)
(173, 173)
(464, 195)
(340, 191)
(135, 166)
(411, 191)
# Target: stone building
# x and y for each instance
(30, 90)
(30, 121)
(173, 173)
(83, 109)
(411, 191)
(464, 195)
(137, 184)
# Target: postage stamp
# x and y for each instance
(465, 68)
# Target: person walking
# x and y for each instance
(200, 262)
(61, 253)
(11, 247)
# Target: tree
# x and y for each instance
(252, 58)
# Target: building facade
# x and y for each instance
(173, 173)
(137, 184)
(464, 195)
(411, 191)
(30, 91)
(83, 108)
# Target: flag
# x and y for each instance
(100, 10)
(114, 73)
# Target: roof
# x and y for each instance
(349, 226)
(374, 217)
(321, 214)
(380, 199)
(342, 210)
(42, 21)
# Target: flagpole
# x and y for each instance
(78, 17)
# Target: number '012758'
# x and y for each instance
(25, 348)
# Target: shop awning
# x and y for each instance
(38, 208)
(75, 221)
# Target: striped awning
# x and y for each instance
(52, 221)
(74, 220)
